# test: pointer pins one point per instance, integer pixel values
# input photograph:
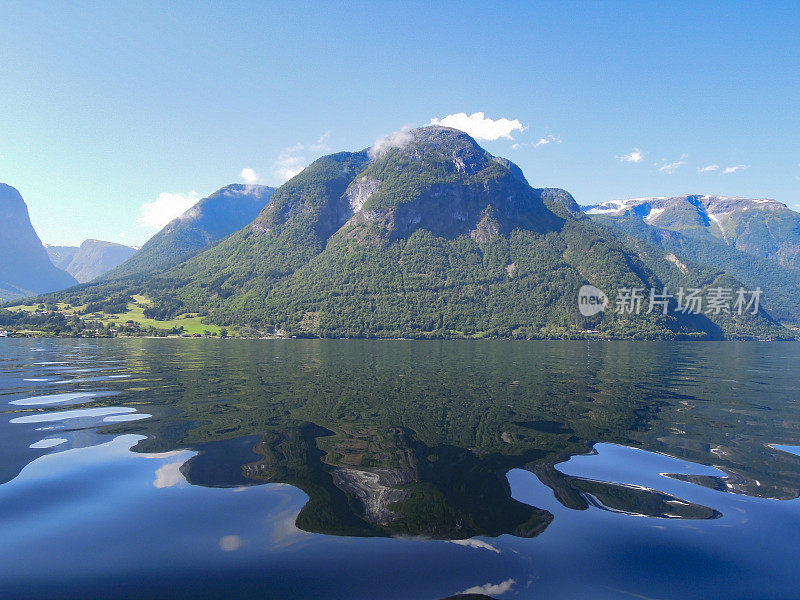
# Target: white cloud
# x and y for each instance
(477, 544)
(491, 589)
(293, 159)
(321, 145)
(290, 162)
(165, 208)
(120, 235)
(729, 170)
(634, 156)
(249, 175)
(479, 126)
(708, 169)
(168, 475)
(547, 140)
(671, 167)
(230, 543)
(396, 139)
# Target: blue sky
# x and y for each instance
(115, 115)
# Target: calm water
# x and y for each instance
(410, 470)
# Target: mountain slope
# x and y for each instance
(203, 225)
(92, 259)
(434, 238)
(760, 227)
(25, 268)
(425, 236)
(781, 285)
(61, 256)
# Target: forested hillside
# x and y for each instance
(426, 236)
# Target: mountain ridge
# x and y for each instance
(432, 237)
(25, 268)
(759, 226)
(91, 259)
(207, 222)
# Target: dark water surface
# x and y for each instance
(409, 470)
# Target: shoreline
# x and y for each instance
(400, 339)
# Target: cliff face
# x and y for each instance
(25, 268)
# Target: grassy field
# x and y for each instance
(191, 323)
(34, 307)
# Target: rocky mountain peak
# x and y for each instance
(439, 178)
(455, 149)
(436, 178)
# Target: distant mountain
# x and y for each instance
(92, 259)
(780, 285)
(206, 223)
(25, 268)
(428, 237)
(61, 256)
(761, 227)
(753, 240)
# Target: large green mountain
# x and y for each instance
(25, 268)
(200, 227)
(423, 235)
(429, 236)
(91, 259)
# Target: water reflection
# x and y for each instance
(416, 439)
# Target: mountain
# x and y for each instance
(203, 225)
(25, 268)
(61, 256)
(92, 259)
(761, 227)
(753, 240)
(425, 236)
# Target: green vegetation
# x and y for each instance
(116, 316)
(434, 239)
(188, 323)
(210, 220)
(772, 234)
(781, 285)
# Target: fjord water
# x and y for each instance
(392, 469)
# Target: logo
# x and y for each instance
(591, 300)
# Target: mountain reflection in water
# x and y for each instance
(423, 439)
